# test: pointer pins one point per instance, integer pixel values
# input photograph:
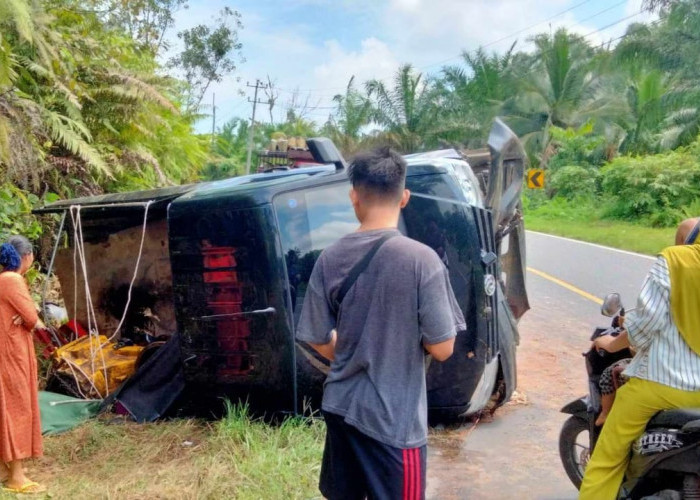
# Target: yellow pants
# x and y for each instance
(635, 403)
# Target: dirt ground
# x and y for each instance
(514, 454)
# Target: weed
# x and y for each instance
(237, 457)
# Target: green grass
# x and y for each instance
(584, 221)
(237, 457)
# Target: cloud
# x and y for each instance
(331, 232)
(374, 60)
(318, 45)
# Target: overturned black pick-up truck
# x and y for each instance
(226, 264)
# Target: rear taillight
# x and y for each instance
(224, 292)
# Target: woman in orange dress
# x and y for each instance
(20, 423)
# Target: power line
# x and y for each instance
(518, 32)
(598, 46)
(599, 30)
(488, 44)
(318, 111)
(234, 112)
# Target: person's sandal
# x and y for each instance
(28, 488)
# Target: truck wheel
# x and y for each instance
(574, 448)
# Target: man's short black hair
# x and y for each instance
(381, 172)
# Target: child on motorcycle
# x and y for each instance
(611, 379)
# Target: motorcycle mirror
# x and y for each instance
(612, 304)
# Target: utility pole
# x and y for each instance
(258, 85)
(213, 116)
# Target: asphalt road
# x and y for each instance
(514, 454)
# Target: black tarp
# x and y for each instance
(150, 392)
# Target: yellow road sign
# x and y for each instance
(535, 178)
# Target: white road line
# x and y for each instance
(634, 254)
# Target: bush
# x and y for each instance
(562, 209)
(15, 213)
(655, 188)
(576, 147)
(573, 182)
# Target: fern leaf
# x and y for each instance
(34, 67)
(63, 131)
(4, 140)
(7, 63)
(144, 89)
(18, 12)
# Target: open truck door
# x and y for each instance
(504, 189)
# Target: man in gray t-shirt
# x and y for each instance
(399, 307)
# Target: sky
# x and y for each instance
(311, 48)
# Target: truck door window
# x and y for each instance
(310, 220)
(438, 185)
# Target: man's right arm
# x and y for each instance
(317, 322)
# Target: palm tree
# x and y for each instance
(555, 91)
(406, 112)
(472, 97)
(353, 112)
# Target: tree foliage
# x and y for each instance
(86, 106)
(209, 54)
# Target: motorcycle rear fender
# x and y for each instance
(577, 407)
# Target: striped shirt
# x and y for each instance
(662, 354)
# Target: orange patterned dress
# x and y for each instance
(20, 422)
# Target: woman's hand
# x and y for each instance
(612, 344)
(17, 320)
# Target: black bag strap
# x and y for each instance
(359, 268)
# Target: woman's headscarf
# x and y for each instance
(684, 269)
(10, 259)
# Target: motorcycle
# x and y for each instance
(664, 461)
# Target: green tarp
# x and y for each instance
(61, 413)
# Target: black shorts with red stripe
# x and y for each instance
(355, 466)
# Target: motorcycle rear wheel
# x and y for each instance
(574, 448)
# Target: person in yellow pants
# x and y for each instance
(636, 402)
(664, 329)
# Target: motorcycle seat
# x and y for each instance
(674, 418)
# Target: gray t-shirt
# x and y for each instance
(404, 298)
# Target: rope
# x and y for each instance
(91, 316)
(136, 271)
(131, 286)
(90, 313)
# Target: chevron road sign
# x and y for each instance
(535, 178)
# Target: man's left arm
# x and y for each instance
(327, 350)
(438, 311)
